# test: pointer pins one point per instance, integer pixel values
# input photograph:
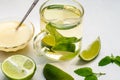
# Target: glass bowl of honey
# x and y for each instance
(12, 39)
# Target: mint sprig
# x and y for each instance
(62, 43)
(109, 59)
(88, 73)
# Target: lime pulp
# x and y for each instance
(19, 67)
(92, 51)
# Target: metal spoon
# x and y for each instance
(28, 12)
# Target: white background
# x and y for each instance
(101, 18)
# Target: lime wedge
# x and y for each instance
(19, 67)
(48, 40)
(92, 51)
(53, 73)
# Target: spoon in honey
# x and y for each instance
(28, 12)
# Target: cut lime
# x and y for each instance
(53, 73)
(48, 40)
(92, 51)
(19, 67)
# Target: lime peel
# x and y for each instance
(52, 72)
(92, 51)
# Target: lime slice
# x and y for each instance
(19, 67)
(48, 40)
(92, 51)
(53, 73)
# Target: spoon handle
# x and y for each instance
(28, 12)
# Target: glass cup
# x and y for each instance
(61, 31)
(11, 39)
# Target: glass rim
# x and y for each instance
(81, 10)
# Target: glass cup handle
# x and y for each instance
(37, 43)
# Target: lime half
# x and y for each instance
(19, 67)
(52, 72)
(92, 51)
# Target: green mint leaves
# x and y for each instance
(109, 59)
(91, 77)
(117, 60)
(88, 73)
(106, 60)
(84, 71)
(53, 32)
(64, 47)
(62, 43)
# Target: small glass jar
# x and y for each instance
(61, 30)
(11, 39)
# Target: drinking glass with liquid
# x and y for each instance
(61, 30)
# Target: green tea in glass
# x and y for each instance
(61, 30)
